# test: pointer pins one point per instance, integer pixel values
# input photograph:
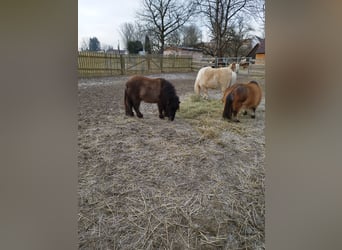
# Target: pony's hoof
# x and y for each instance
(253, 116)
(236, 120)
(161, 116)
(140, 115)
(245, 113)
(129, 114)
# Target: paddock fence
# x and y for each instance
(97, 64)
(220, 62)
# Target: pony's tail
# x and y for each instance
(126, 102)
(227, 111)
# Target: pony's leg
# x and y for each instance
(205, 93)
(235, 112)
(136, 106)
(160, 109)
(129, 110)
(253, 114)
(128, 106)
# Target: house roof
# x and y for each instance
(183, 48)
(261, 47)
(252, 52)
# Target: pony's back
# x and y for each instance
(144, 88)
(256, 92)
(241, 96)
(211, 78)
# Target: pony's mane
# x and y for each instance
(254, 82)
(167, 88)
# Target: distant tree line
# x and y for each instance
(93, 44)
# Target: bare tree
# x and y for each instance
(239, 37)
(219, 15)
(258, 12)
(207, 48)
(132, 32)
(191, 35)
(174, 39)
(106, 47)
(84, 44)
(127, 32)
(163, 17)
(153, 46)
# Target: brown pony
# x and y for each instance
(241, 95)
(158, 90)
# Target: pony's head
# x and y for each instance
(170, 99)
(172, 107)
(232, 66)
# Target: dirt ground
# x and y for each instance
(154, 184)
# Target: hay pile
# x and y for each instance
(152, 184)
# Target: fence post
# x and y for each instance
(122, 62)
(110, 65)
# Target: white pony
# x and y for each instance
(235, 68)
(212, 78)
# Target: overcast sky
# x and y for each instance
(102, 19)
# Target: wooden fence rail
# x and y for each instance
(91, 64)
(94, 64)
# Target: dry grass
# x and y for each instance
(195, 183)
(226, 214)
(204, 115)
